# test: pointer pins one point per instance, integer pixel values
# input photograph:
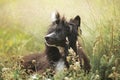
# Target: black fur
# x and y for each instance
(56, 36)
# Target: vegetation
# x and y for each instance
(23, 24)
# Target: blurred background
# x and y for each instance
(23, 25)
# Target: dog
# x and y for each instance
(61, 36)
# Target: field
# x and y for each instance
(23, 25)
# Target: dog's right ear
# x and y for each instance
(55, 17)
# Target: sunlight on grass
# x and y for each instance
(23, 25)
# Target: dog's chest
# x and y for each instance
(60, 65)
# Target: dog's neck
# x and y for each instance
(60, 48)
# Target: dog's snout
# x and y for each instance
(47, 38)
(50, 37)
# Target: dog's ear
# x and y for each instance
(77, 20)
(55, 17)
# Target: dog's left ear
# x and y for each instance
(55, 17)
(77, 20)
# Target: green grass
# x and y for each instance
(16, 41)
(24, 23)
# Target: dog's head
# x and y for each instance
(60, 29)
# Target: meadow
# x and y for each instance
(23, 25)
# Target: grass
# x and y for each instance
(14, 41)
(23, 25)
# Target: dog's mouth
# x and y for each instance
(49, 43)
(56, 42)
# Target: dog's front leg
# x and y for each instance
(66, 52)
(74, 47)
(83, 56)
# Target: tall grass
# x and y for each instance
(24, 23)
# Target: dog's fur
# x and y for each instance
(61, 34)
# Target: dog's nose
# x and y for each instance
(47, 38)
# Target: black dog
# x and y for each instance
(65, 34)
(56, 48)
(60, 37)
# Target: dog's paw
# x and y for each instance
(87, 67)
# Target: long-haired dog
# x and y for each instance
(61, 36)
